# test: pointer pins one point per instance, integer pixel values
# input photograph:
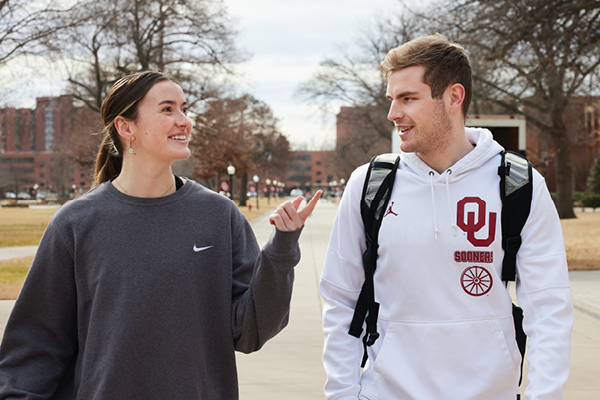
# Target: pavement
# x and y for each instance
(289, 366)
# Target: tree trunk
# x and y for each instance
(243, 186)
(564, 175)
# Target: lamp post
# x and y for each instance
(256, 179)
(276, 186)
(268, 182)
(231, 172)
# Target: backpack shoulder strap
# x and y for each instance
(516, 188)
(377, 189)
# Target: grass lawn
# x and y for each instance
(582, 241)
(22, 226)
(12, 275)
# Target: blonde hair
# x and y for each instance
(445, 64)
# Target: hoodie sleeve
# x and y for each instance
(262, 285)
(340, 285)
(40, 339)
(544, 294)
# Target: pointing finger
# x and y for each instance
(306, 211)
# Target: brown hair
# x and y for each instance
(445, 64)
(122, 100)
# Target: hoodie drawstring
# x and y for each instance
(431, 174)
(452, 220)
(448, 173)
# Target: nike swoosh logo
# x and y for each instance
(197, 249)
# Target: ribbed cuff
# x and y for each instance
(284, 242)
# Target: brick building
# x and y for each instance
(309, 170)
(37, 146)
(356, 142)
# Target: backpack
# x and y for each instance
(516, 188)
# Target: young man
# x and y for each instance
(445, 320)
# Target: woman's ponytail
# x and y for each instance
(108, 161)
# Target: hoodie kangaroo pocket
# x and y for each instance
(454, 360)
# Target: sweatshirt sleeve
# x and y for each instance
(340, 285)
(40, 337)
(544, 294)
(262, 286)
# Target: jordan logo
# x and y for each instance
(389, 211)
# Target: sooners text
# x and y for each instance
(474, 256)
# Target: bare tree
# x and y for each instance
(536, 55)
(25, 23)
(241, 131)
(193, 40)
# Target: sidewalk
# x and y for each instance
(6, 253)
(289, 366)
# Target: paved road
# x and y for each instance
(289, 366)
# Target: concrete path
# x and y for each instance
(289, 366)
(6, 253)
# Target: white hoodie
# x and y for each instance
(445, 318)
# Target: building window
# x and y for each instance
(303, 157)
(318, 172)
(318, 162)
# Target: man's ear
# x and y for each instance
(123, 127)
(456, 94)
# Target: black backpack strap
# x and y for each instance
(376, 194)
(516, 190)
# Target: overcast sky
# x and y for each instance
(288, 40)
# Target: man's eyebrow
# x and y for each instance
(407, 93)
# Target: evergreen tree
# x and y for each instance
(593, 181)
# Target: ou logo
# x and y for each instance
(471, 226)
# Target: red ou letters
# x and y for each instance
(471, 226)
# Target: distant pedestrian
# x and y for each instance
(144, 287)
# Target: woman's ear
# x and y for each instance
(457, 96)
(123, 127)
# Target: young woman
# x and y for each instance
(144, 287)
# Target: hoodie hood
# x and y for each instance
(484, 149)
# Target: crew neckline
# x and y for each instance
(115, 193)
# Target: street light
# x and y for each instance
(231, 172)
(268, 182)
(256, 179)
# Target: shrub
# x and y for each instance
(593, 181)
(590, 199)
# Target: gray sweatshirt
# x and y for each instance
(135, 298)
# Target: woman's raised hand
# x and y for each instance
(288, 218)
